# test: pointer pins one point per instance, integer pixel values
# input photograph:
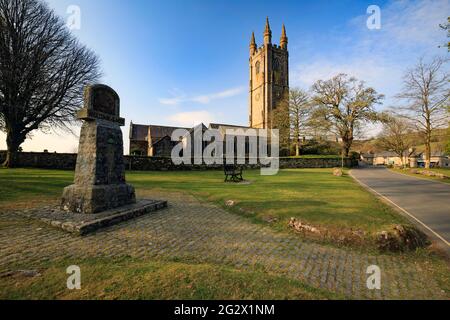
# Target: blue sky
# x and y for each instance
(186, 61)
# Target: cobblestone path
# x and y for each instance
(202, 232)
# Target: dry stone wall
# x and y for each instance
(66, 161)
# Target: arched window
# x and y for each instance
(276, 64)
(258, 67)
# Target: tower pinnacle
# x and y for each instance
(253, 46)
(284, 38)
(267, 33)
(269, 79)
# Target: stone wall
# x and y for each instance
(66, 161)
(139, 147)
(165, 164)
(44, 160)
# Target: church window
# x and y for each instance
(276, 65)
(258, 67)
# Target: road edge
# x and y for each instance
(419, 177)
(444, 244)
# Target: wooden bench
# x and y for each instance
(232, 173)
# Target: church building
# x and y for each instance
(269, 84)
(269, 77)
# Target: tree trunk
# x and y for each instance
(13, 143)
(344, 153)
(402, 159)
(346, 150)
(428, 151)
(347, 141)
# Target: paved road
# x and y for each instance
(426, 200)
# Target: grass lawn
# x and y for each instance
(136, 279)
(313, 195)
(445, 171)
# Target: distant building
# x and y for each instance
(269, 77)
(388, 158)
(156, 141)
(367, 158)
(269, 83)
(438, 160)
(152, 141)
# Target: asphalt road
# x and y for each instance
(425, 200)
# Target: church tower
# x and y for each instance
(269, 77)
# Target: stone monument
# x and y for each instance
(100, 171)
(99, 197)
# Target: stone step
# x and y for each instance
(83, 224)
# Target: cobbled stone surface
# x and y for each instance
(201, 232)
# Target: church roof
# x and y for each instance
(158, 132)
(161, 140)
(222, 128)
(141, 132)
(138, 132)
(221, 125)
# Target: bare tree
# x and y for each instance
(446, 27)
(43, 70)
(299, 110)
(447, 146)
(342, 105)
(397, 136)
(281, 121)
(426, 94)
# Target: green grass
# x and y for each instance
(136, 279)
(445, 171)
(313, 195)
(22, 184)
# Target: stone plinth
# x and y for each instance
(83, 224)
(97, 198)
(100, 170)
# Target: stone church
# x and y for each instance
(269, 84)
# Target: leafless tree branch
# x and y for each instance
(43, 70)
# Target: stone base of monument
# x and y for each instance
(97, 198)
(82, 224)
(100, 196)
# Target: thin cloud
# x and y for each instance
(191, 118)
(376, 72)
(171, 101)
(202, 99)
(409, 30)
(408, 23)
